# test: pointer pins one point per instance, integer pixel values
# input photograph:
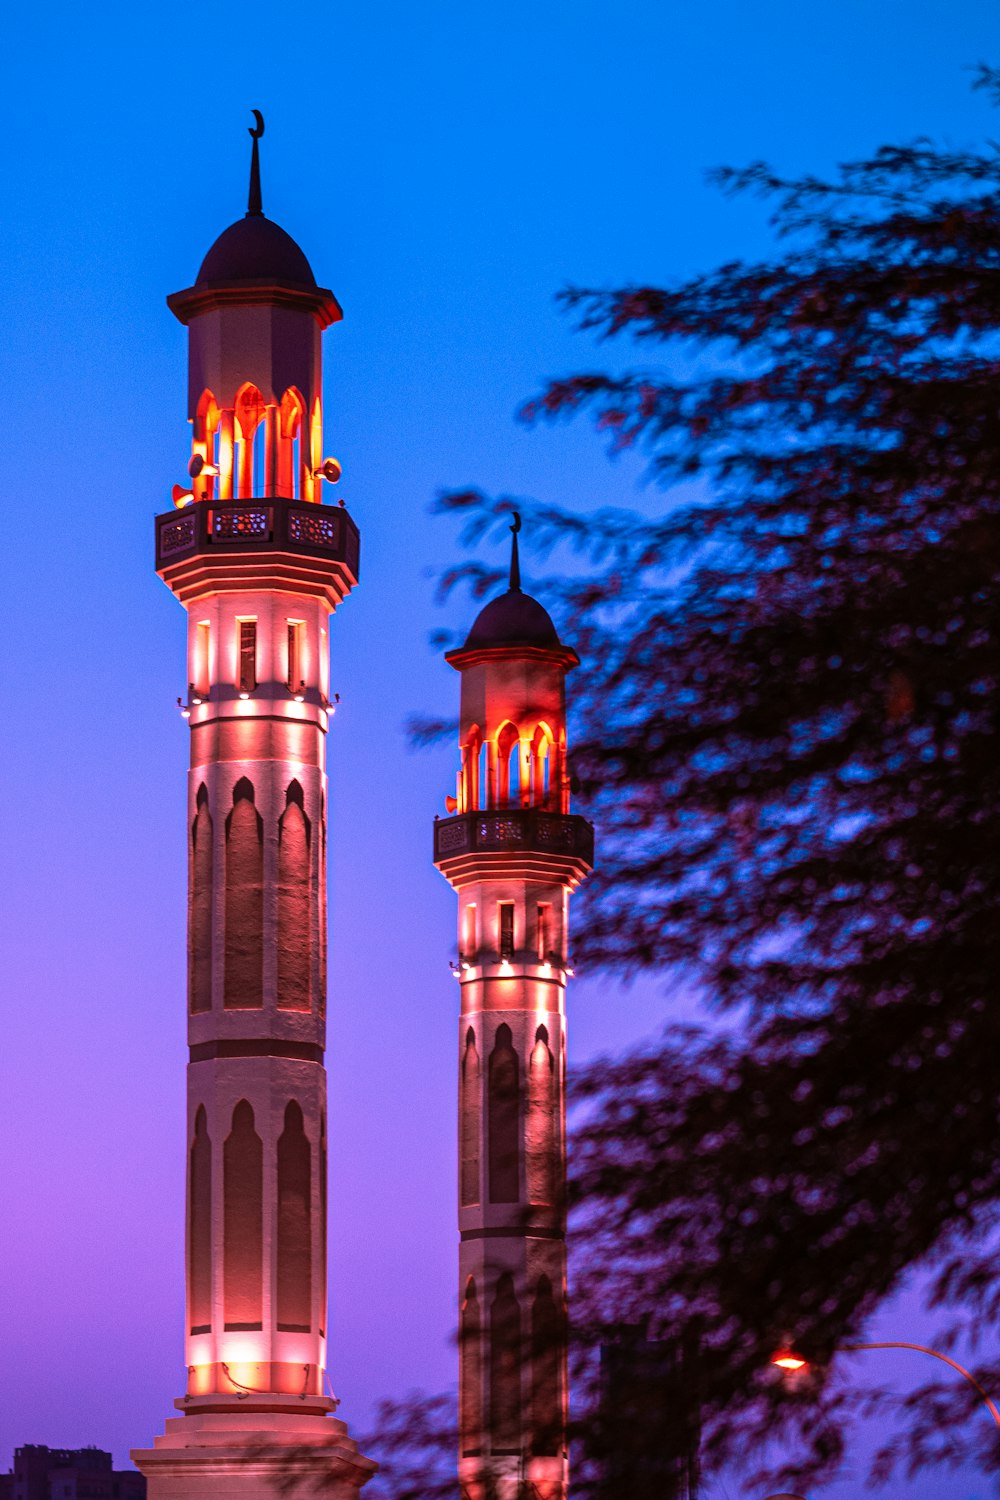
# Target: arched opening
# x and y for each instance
(314, 457)
(541, 1133)
(505, 1369)
(290, 422)
(470, 765)
(547, 1339)
(249, 410)
(294, 1258)
(508, 766)
(243, 1221)
(541, 766)
(470, 1377)
(471, 1104)
(205, 444)
(244, 975)
(200, 1227)
(294, 904)
(200, 908)
(504, 1112)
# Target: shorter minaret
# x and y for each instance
(513, 852)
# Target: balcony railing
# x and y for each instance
(272, 524)
(514, 830)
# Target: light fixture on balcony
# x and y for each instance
(185, 709)
(300, 693)
(244, 693)
(194, 698)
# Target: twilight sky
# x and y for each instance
(446, 167)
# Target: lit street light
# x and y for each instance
(788, 1359)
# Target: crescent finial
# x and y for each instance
(515, 562)
(259, 130)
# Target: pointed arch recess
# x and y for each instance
(200, 907)
(200, 1227)
(471, 1105)
(547, 1355)
(470, 1373)
(294, 1250)
(505, 1368)
(294, 904)
(244, 972)
(243, 1221)
(541, 1135)
(504, 1112)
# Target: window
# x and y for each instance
(544, 932)
(505, 914)
(296, 631)
(246, 675)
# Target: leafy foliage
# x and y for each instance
(786, 734)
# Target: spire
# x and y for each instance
(254, 205)
(515, 561)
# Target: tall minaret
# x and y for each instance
(260, 564)
(513, 852)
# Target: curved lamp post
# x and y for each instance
(787, 1359)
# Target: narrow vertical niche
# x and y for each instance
(322, 1225)
(504, 1111)
(200, 907)
(200, 1227)
(544, 930)
(542, 1135)
(202, 659)
(505, 1369)
(547, 1357)
(470, 1373)
(470, 932)
(296, 660)
(294, 1256)
(243, 1222)
(505, 930)
(244, 971)
(246, 655)
(471, 1105)
(294, 904)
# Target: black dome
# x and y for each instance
(512, 619)
(255, 249)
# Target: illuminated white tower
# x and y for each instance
(260, 564)
(513, 852)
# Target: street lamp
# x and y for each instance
(788, 1359)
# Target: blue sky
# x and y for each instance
(447, 168)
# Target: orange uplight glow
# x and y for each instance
(786, 1359)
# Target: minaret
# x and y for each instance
(260, 564)
(513, 852)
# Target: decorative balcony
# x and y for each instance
(528, 840)
(241, 540)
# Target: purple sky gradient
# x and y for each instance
(446, 167)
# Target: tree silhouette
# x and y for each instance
(786, 734)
